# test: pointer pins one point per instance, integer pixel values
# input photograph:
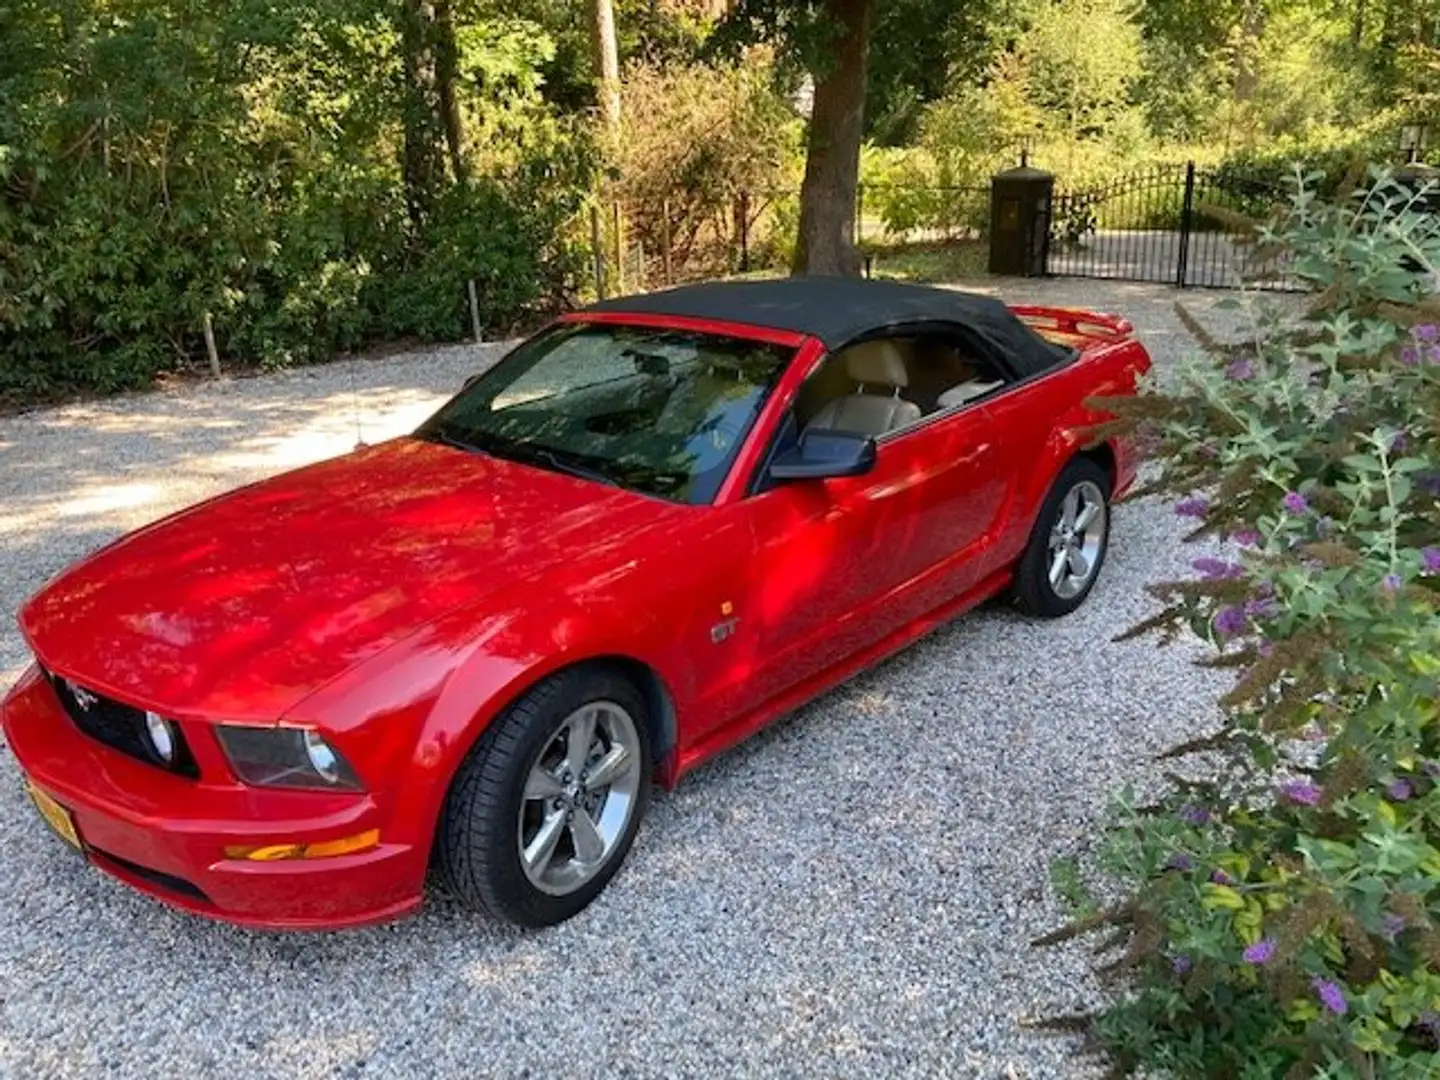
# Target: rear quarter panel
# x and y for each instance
(1047, 421)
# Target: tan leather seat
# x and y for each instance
(967, 391)
(873, 363)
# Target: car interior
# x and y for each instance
(884, 385)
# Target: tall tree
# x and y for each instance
(831, 40)
(826, 244)
(606, 52)
(431, 114)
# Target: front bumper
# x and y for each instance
(166, 835)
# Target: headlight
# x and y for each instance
(286, 757)
(162, 738)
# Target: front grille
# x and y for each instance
(168, 882)
(120, 727)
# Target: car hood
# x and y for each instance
(240, 607)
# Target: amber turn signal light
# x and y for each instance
(323, 849)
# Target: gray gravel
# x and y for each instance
(848, 894)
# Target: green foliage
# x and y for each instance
(695, 140)
(1284, 909)
(162, 159)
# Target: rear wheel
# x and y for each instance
(545, 807)
(1068, 545)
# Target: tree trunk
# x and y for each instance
(826, 244)
(422, 160)
(606, 53)
(446, 64)
(1357, 24)
(1252, 29)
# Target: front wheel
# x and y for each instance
(543, 811)
(1068, 544)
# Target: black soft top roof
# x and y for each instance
(840, 310)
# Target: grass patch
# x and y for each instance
(934, 260)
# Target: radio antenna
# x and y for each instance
(355, 405)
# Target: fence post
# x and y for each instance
(597, 250)
(744, 208)
(474, 311)
(619, 250)
(1187, 225)
(665, 240)
(210, 350)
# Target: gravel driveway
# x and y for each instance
(848, 894)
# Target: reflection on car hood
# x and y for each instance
(243, 605)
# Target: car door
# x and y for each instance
(841, 563)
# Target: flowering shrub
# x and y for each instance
(1283, 912)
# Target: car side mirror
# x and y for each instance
(820, 454)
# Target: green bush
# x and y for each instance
(1282, 916)
(149, 177)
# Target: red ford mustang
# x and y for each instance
(649, 530)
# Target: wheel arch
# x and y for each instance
(662, 724)
(1102, 454)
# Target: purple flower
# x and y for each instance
(1194, 506)
(1230, 621)
(1247, 538)
(1218, 569)
(1179, 861)
(1263, 608)
(1180, 964)
(1429, 333)
(1431, 483)
(1430, 560)
(1241, 369)
(1330, 995)
(1399, 443)
(1391, 583)
(1260, 952)
(1295, 503)
(1400, 790)
(1393, 925)
(1301, 791)
(1195, 815)
(1220, 877)
(1409, 356)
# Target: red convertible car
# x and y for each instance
(649, 530)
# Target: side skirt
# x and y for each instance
(791, 699)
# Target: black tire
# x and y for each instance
(478, 845)
(1035, 592)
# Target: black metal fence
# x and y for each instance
(1174, 224)
(1171, 224)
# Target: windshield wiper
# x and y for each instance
(451, 440)
(560, 464)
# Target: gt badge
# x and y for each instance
(726, 627)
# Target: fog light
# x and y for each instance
(162, 739)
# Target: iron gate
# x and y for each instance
(1171, 224)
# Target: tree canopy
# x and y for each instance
(316, 176)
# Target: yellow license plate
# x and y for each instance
(55, 815)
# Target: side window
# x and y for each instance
(884, 385)
(863, 388)
(947, 372)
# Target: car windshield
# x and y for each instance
(659, 411)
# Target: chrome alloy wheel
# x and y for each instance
(579, 796)
(1077, 539)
